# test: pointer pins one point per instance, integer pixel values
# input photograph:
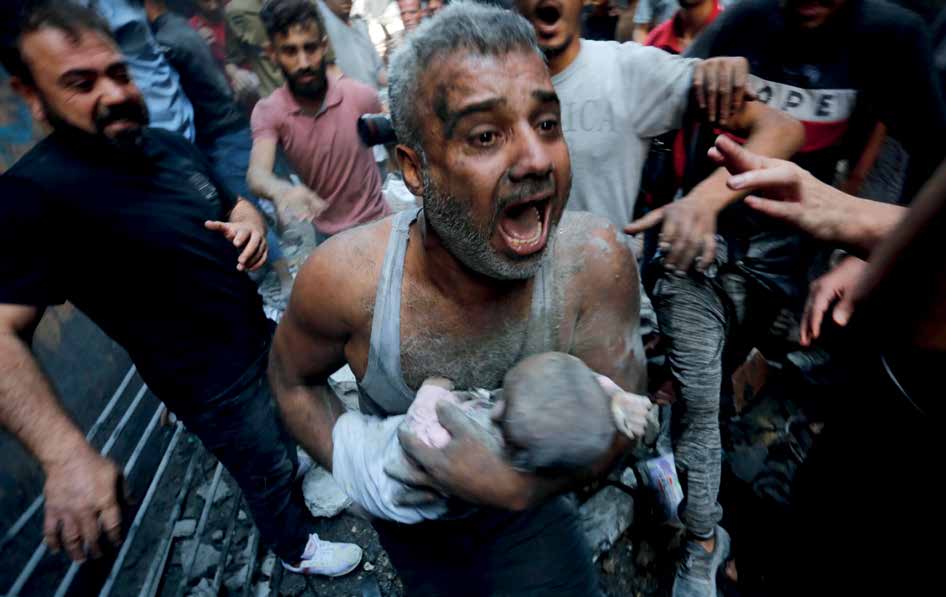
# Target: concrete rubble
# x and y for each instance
(605, 517)
(223, 492)
(207, 557)
(323, 496)
(184, 528)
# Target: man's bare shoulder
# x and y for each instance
(590, 246)
(341, 275)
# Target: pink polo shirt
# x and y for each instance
(326, 152)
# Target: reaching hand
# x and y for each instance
(720, 86)
(790, 193)
(246, 236)
(834, 288)
(688, 232)
(300, 203)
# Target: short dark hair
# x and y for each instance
(66, 16)
(279, 15)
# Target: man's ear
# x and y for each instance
(30, 95)
(411, 167)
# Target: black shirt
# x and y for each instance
(204, 84)
(872, 58)
(123, 239)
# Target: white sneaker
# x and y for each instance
(327, 558)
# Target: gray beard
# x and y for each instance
(469, 243)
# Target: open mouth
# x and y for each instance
(547, 16)
(524, 226)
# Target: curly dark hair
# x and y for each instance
(70, 18)
(279, 15)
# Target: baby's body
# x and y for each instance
(553, 412)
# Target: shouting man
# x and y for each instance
(490, 271)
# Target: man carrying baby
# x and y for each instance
(488, 273)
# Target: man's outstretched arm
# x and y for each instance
(689, 225)
(81, 486)
(292, 201)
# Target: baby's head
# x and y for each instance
(555, 414)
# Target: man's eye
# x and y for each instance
(484, 139)
(548, 125)
(81, 85)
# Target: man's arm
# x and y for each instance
(689, 225)
(296, 201)
(783, 190)
(607, 335)
(308, 347)
(80, 485)
(246, 229)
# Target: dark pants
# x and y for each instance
(245, 433)
(538, 552)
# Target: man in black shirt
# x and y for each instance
(223, 130)
(130, 224)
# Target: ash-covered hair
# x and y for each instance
(479, 29)
(70, 18)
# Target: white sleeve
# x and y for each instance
(658, 85)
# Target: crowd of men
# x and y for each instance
(665, 199)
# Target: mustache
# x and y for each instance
(129, 110)
(528, 188)
(310, 71)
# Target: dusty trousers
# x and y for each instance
(709, 324)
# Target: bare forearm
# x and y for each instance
(867, 224)
(774, 136)
(30, 410)
(266, 184)
(309, 413)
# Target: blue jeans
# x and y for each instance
(229, 156)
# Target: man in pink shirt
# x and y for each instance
(314, 118)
